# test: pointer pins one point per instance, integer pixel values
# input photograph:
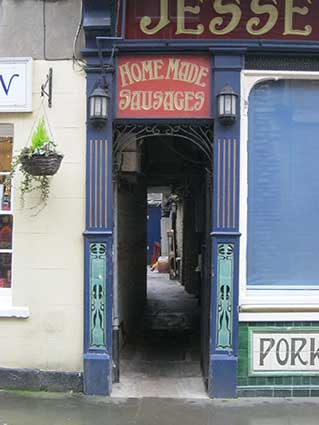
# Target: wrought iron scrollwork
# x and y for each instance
(199, 135)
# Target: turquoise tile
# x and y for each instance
(261, 380)
(243, 341)
(287, 380)
(242, 382)
(297, 380)
(314, 380)
(270, 380)
(252, 381)
(242, 368)
(306, 380)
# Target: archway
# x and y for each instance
(161, 318)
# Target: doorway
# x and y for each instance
(162, 209)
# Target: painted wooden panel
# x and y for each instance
(217, 19)
(176, 86)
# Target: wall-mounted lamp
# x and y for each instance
(99, 105)
(227, 106)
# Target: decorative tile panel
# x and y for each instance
(225, 276)
(97, 294)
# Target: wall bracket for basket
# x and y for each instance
(46, 88)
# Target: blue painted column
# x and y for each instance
(224, 327)
(98, 240)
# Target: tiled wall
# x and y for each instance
(272, 386)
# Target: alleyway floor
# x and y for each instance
(62, 409)
(163, 358)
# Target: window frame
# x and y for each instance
(6, 293)
(266, 295)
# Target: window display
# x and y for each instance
(6, 231)
(6, 218)
(5, 270)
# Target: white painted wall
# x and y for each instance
(48, 248)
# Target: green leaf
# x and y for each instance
(40, 136)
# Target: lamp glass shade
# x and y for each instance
(234, 105)
(98, 113)
(227, 105)
(98, 106)
(221, 106)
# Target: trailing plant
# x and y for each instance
(41, 149)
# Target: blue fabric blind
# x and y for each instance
(283, 184)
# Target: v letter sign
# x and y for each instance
(5, 87)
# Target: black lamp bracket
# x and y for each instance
(46, 88)
(107, 45)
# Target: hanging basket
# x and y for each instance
(42, 165)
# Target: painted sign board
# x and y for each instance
(163, 87)
(283, 351)
(15, 84)
(222, 19)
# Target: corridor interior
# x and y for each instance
(161, 294)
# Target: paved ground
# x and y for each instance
(163, 358)
(43, 409)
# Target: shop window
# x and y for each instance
(283, 184)
(6, 216)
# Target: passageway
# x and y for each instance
(163, 357)
(162, 316)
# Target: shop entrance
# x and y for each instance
(162, 259)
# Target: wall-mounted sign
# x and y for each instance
(15, 84)
(284, 351)
(163, 87)
(220, 19)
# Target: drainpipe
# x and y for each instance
(116, 320)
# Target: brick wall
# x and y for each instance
(132, 213)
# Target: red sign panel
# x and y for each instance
(222, 19)
(163, 87)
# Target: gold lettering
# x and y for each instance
(158, 100)
(125, 99)
(126, 77)
(147, 100)
(147, 70)
(193, 73)
(202, 74)
(168, 101)
(136, 72)
(136, 101)
(200, 98)
(290, 11)
(179, 101)
(181, 10)
(183, 71)
(173, 65)
(253, 23)
(158, 65)
(146, 21)
(216, 24)
(189, 96)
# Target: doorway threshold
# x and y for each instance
(161, 387)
